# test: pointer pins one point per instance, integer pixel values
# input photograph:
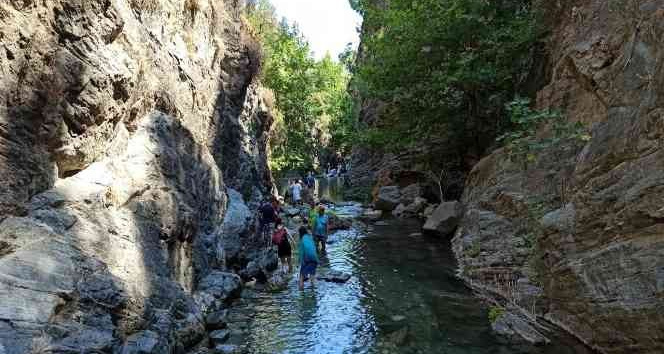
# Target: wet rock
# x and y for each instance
(226, 349)
(410, 210)
(219, 337)
(428, 211)
(145, 342)
(290, 212)
(216, 320)
(410, 193)
(444, 219)
(516, 328)
(388, 198)
(278, 281)
(334, 276)
(215, 289)
(338, 223)
(371, 214)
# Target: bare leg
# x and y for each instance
(301, 285)
(290, 265)
(313, 280)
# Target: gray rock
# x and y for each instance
(410, 193)
(219, 337)
(226, 349)
(388, 198)
(444, 219)
(216, 320)
(516, 327)
(428, 211)
(338, 223)
(292, 212)
(334, 276)
(144, 342)
(560, 220)
(216, 289)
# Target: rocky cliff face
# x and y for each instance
(126, 127)
(577, 237)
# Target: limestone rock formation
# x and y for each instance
(578, 235)
(123, 124)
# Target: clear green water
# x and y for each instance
(403, 297)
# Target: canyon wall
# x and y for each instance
(577, 235)
(133, 139)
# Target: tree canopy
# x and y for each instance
(311, 98)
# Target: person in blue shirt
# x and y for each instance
(321, 226)
(308, 257)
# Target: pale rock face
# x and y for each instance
(123, 128)
(586, 225)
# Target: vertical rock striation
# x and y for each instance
(578, 236)
(123, 124)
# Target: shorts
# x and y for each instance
(308, 269)
(284, 249)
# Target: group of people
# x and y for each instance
(313, 237)
(295, 187)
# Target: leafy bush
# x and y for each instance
(495, 312)
(523, 142)
(445, 68)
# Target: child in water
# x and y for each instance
(308, 257)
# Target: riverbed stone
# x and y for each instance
(226, 349)
(334, 276)
(388, 198)
(216, 320)
(409, 193)
(219, 337)
(444, 219)
(515, 327)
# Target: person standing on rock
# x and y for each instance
(297, 192)
(321, 227)
(280, 238)
(308, 257)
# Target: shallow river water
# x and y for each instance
(402, 297)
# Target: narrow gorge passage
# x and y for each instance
(403, 297)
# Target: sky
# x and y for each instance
(328, 25)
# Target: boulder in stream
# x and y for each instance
(445, 218)
(334, 276)
(388, 198)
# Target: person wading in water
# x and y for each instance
(308, 257)
(321, 227)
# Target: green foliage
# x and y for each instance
(445, 67)
(495, 312)
(315, 109)
(522, 141)
(475, 249)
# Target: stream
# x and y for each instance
(403, 297)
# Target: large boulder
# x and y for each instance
(388, 198)
(339, 223)
(445, 218)
(216, 289)
(410, 210)
(410, 193)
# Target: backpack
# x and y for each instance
(278, 236)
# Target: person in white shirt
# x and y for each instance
(297, 192)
